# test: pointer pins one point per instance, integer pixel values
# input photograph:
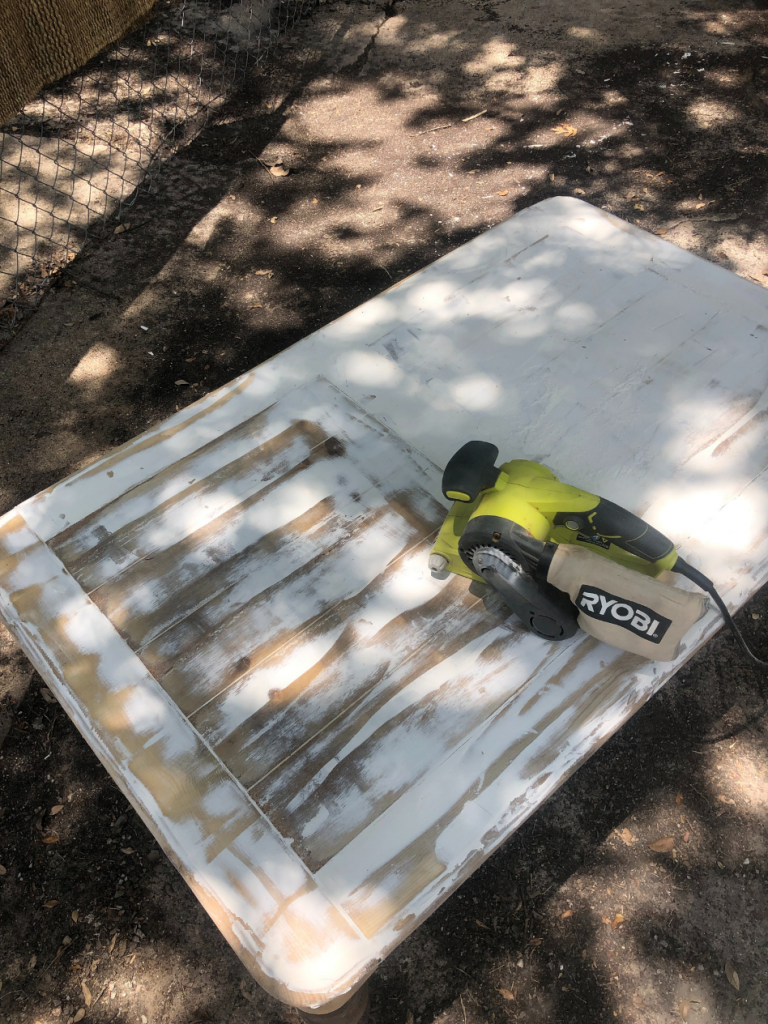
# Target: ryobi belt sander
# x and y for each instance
(563, 559)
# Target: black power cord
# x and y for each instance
(682, 567)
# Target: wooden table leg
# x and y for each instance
(354, 1011)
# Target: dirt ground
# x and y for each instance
(574, 919)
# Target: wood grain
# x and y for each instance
(235, 607)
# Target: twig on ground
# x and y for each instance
(439, 128)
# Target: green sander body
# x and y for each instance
(562, 558)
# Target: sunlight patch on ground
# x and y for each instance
(738, 776)
(587, 35)
(98, 363)
(492, 55)
(712, 113)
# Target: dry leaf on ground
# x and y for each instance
(264, 273)
(679, 798)
(684, 1008)
(626, 836)
(535, 942)
(51, 839)
(663, 231)
(47, 696)
(618, 919)
(579, 192)
(505, 993)
(3, 871)
(86, 993)
(50, 904)
(75, 916)
(481, 925)
(56, 808)
(180, 382)
(565, 129)
(731, 975)
(112, 943)
(566, 913)
(665, 845)
(504, 193)
(127, 850)
(245, 993)
(32, 962)
(78, 1016)
(278, 170)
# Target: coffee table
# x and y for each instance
(236, 611)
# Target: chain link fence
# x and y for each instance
(73, 159)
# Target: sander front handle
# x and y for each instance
(471, 470)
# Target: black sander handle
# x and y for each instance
(470, 471)
(630, 532)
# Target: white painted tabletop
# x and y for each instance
(236, 611)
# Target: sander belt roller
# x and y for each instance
(563, 558)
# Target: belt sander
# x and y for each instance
(562, 558)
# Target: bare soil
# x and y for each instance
(669, 105)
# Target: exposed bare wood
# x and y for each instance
(236, 611)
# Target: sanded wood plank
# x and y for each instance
(377, 657)
(241, 553)
(513, 755)
(207, 609)
(232, 639)
(405, 606)
(413, 733)
(100, 548)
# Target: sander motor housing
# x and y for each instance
(562, 558)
